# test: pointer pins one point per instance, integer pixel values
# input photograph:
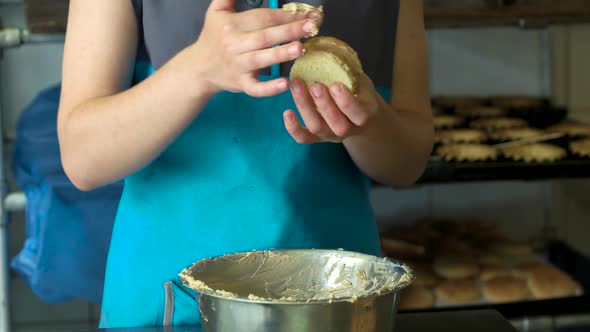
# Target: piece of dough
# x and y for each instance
(328, 60)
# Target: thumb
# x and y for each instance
(222, 5)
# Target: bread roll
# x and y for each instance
(328, 60)
(461, 291)
(551, 284)
(492, 272)
(416, 297)
(506, 289)
(455, 268)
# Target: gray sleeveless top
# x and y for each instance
(369, 26)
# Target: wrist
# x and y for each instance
(199, 73)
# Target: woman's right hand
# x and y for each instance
(233, 47)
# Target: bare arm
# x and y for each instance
(390, 143)
(107, 130)
(396, 144)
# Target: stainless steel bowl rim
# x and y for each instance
(216, 294)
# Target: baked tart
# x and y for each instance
(581, 148)
(515, 134)
(447, 121)
(492, 124)
(517, 101)
(467, 152)
(460, 136)
(456, 101)
(571, 129)
(481, 112)
(538, 152)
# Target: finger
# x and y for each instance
(294, 128)
(307, 108)
(222, 5)
(269, 37)
(349, 105)
(259, 89)
(267, 57)
(257, 19)
(336, 120)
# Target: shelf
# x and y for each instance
(521, 13)
(50, 16)
(439, 171)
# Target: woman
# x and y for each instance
(176, 97)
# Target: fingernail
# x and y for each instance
(282, 85)
(316, 91)
(336, 89)
(310, 27)
(294, 50)
(314, 15)
(296, 87)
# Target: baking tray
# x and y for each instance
(440, 171)
(503, 169)
(565, 258)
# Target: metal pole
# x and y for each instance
(7, 38)
(5, 317)
(14, 37)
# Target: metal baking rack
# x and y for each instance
(11, 201)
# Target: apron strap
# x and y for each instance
(275, 70)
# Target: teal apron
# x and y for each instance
(233, 181)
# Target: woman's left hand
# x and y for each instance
(331, 114)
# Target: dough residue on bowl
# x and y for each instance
(297, 276)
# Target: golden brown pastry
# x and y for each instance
(492, 124)
(416, 297)
(487, 258)
(525, 270)
(516, 134)
(506, 289)
(481, 112)
(467, 152)
(447, 121)
(461, 291)
(581, 148)
(537, 152)
(424, 274)
(511, 249)
(551, 284)
(456, 101)
(517, 101)
(571, 129)
(328, 60)
(460, 136)
(493, 271)
(455, 267)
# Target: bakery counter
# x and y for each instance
(458, 321)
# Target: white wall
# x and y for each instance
(491, 61)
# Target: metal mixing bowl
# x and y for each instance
(298, 291)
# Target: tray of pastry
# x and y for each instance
(469, 264)
(505, 138)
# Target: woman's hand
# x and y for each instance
(233, 47)
(331, 114)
